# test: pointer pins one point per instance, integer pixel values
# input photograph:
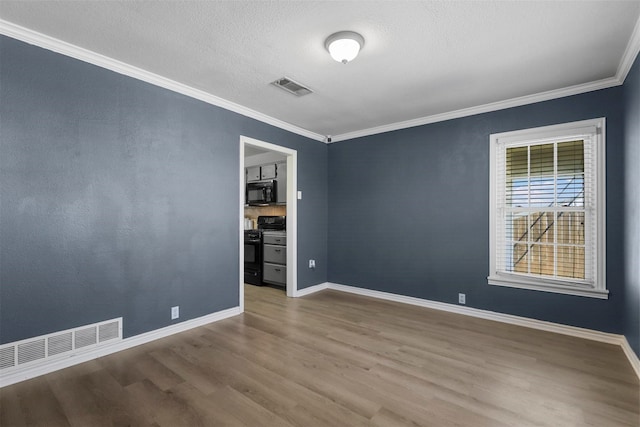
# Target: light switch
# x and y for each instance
(299, 195)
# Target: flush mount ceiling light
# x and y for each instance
(344, 45)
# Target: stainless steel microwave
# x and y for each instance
(261, 193)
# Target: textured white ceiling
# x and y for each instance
(420, 59)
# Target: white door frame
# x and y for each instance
(292, 213)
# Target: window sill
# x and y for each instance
(520, 283)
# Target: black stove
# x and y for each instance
(252, 235)
(253, 246)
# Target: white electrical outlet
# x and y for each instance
(312, 263)
(175, 312)
(462, 299)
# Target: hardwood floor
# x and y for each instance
(336, 359)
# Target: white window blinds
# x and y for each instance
(546, 207)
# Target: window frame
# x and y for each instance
(533, 136)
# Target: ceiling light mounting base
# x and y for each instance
(344, 46)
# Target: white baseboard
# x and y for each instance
(311, 289)
(631, 355)
(47, 367)
(558, 328)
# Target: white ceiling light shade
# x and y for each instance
(344, 45)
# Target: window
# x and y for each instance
(547, 209)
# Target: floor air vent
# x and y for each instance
(58, 344)
(291, 86)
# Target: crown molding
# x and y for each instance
(35, 38)
(630, 54)
(486, 108)
(628, 58)
(41, 40)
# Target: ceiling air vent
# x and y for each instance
(292, 87)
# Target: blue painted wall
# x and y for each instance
(632, 207)
(119, 198)
(409, 212)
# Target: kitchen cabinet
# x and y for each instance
(275, 274)
(276, 254)
(274, 270)
(268, 171)
(253, 173)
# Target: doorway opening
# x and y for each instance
(252, 146)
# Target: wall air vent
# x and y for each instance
(292, 87)
(67, 343)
